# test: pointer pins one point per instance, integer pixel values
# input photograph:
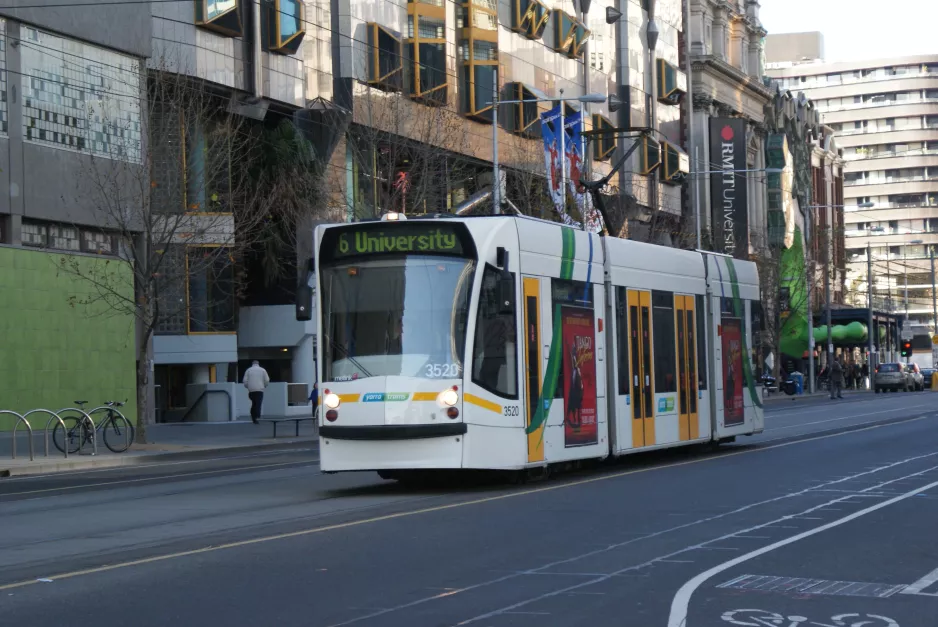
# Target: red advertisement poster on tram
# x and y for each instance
(579, 377)
(733, 413)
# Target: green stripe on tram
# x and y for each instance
(567, 253)
(740, 312)
(555, 359)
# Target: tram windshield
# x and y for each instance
(395, 315)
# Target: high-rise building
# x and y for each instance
(885, 115)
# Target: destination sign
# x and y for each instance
(428, 238)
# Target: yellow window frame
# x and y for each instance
(217, 23)
(530, 18)
(383, 81)
(284, 46)
(470, 35)
(416, 10)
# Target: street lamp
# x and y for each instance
(496, 175)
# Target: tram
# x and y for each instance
(512, 343)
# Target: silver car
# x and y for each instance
(892, 376)
(915, 374)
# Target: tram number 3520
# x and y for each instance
(512, 410)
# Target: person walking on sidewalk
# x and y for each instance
(836, 379)
(256, 380)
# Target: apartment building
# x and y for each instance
(885, 115)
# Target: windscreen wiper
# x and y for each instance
(350, 358)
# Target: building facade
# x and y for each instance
(729, 99)
(267, 63)
(885, 115)
(399, 63)
(65, 74)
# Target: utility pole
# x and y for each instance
(871, 346)
(934, 303)
(827, 295)
(810, 308)
(496, 174)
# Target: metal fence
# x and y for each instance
(56, 418)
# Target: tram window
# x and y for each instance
(571, 294)
(494, 352)
(622, 340)
(662, 304)
(702, 362)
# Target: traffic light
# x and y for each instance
(906, 348)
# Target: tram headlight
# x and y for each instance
(331, 400)
(448, 397)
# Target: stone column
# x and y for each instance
(720, 34)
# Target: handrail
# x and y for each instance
(19, 419)
(203, 395)
(52, 416)
(116, 411)
(81, 440)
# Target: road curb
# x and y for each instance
(45, 466)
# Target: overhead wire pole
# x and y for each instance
(934, 302)
(871, 347)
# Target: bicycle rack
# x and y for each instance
(45, 432)
(127, 432)
(19, 419)
(81, 441)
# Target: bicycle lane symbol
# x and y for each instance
(764, 618)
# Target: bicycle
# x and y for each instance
(764, 618)
(117, 432)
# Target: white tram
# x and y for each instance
(511, 343)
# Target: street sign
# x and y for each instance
(906, 334)
(934, 340)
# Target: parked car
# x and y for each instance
(915, 374)
(892, 376)
(926, 376)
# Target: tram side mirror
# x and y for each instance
(304, 295)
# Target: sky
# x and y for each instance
(858, 29)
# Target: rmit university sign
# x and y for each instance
(728, 192)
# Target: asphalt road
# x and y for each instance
(827, 518)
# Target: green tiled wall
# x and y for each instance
(52, 353)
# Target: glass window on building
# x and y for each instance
(211, 290)
(80, 97)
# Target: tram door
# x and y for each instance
(684, 312)
(642, 368)
(532, 363)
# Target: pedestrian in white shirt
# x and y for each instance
(256, 380)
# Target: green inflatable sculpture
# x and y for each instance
(794, 328)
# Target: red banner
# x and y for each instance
(733, 412)
(580, 426)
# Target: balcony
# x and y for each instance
(874, 138)
(884, 189)
(890, 162)
(884, 110)
(910, 82)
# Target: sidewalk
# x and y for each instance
(165, 441)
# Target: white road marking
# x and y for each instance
(681, 601)
(687, 549)
(851, 417)
(921, 584)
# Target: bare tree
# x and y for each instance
(182, 204)
(409, 156)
